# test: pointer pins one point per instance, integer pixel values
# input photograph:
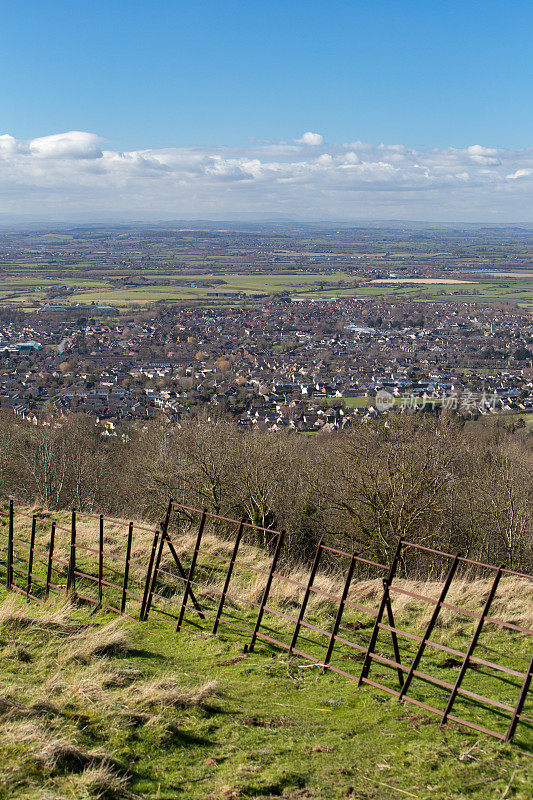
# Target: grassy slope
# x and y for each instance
(272, 729)
(277, 729)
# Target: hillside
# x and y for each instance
(93, 707)
(97, 706)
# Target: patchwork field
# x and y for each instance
(29, 291)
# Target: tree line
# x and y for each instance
(451, 484)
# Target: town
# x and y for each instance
(302, 365)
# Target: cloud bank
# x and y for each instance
(73, 175)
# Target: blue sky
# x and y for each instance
(425, 73)
(155, 75)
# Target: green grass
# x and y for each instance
(130, 721)
(119, 707)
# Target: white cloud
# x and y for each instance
(9, 146)
(314, 139)
(519, 173)
(483, 155)
(74, 144)
(70, 175)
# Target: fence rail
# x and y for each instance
(200, 593)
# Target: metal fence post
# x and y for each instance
(340, 610)
(473, 643)
(50, 559)
(395, 645)
(30, 557)
(10, 534)
(228, 577)
(375, 630)
(191, 569)
(126, 569)
(153, 578)
(71, 576)
(431, 624)
(101, 560)
(181, 571)
(305, 599)
(266, 590)
(520, 704)
(148, 577)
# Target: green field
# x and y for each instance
(27, 290)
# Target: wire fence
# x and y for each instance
(213, 578)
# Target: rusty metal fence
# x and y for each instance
(194, 588)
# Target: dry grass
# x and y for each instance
(91, 643)
(46, 747)
(92, 773)
(13, 614)
(513, 602)
(90, 685)
(167, 693)
(103, 782)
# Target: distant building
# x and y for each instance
(92, 309)
(226, 294)
(20, 347)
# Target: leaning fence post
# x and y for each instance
(306, 595)
(431, 624)
(394, 638)
(153, 579)
(267, 590)
(30, 557)
(50, 559)
(9, 565)
(520, 704)
(191, 569)
(181, 571)
(382, 606)
(71, 576)
(228, 577)
(340, 610)
(148, 577)
(101, 560)
(473, 643)
(126, 569)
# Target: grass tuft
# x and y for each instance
(113, 639)
(168, 693)
(13, 614)
(104, 783)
